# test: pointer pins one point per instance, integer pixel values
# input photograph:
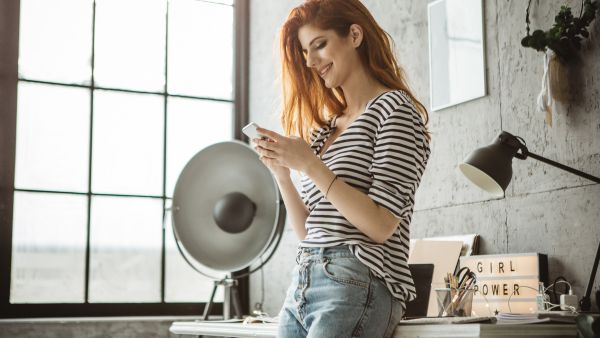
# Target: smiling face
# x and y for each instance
(331, 56)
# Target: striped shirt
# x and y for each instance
(383, 154)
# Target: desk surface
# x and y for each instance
(405, 331)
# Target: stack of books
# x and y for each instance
(531, 318)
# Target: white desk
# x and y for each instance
(486, 330)
(224, 329)
(403, 331)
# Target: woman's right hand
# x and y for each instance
(280, 172)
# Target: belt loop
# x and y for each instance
(322, 252)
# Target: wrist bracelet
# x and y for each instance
(330, 184)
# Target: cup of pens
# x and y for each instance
(454, 302)
(456, 298)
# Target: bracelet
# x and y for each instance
(330, 184)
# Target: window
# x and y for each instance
(107, 102)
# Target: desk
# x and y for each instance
(224, 329)
(403, 331)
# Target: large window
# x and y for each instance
(112, 98)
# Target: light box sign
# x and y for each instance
(500, 277)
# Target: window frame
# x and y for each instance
(9, 49)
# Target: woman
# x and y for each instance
(368, 145)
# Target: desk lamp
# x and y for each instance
(490, 168)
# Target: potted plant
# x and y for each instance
(567, 33)
(561, 45)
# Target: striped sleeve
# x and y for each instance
(315, 133)
(305, 183)
(397, 160)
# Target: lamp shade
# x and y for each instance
(226, 207)
(490, 167)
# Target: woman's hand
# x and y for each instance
(280, 172)
(289, 152)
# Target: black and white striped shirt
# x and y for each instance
(382, 153)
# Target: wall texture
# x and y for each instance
(545, 209)
(146, 327)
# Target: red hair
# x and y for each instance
(307, 102)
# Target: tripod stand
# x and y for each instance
(231, 295)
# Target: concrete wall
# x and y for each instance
(545, 209)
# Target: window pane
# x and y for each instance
(48, 248)
(130, 44)
(128, 143)
(55, 40)
(193, 125)
(182, 283)
(125, 257)
(53, 124)
(200, 49)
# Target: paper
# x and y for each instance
(261, 319)
(470, 243)
(444, 257)
(519, 318)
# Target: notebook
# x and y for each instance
(422, 275)
(444, 256)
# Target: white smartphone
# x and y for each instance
(250, 131)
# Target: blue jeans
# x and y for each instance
(333, 294)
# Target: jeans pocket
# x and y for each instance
(347, 271)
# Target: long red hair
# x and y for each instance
(307, 102)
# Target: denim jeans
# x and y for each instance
(333, 294)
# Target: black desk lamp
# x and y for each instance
(490, 168)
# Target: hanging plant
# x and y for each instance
(567, 33)
(560, 45)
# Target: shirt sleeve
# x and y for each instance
(304, 183)
(398, 161)
(307, 187)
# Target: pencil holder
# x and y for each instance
(454, 302)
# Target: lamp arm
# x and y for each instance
(563, 167)
(584, 303)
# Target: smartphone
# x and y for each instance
(250, 131)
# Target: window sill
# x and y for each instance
(99, 319)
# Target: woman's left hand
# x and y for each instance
(291, 152)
